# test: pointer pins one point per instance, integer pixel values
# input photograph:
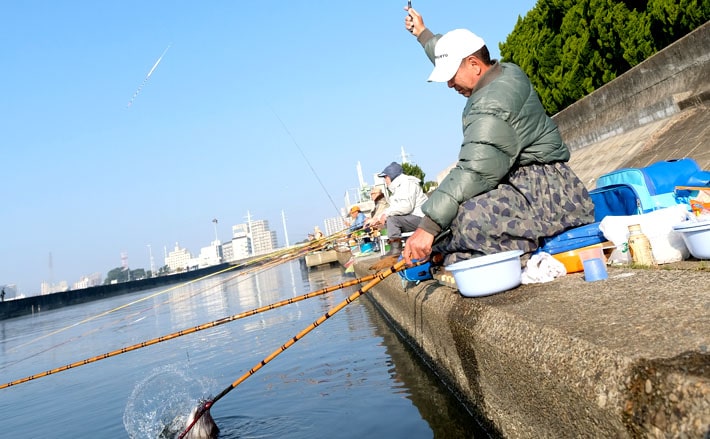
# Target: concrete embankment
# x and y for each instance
(665, 84)
(46, 302)
(623, 357)
(656, 111)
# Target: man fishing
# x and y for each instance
(404, 211)
(511, 186)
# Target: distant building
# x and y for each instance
(91, 280)
(334, 225)
(211, 255)
(249, 239)
(49, 288)
(238, 248)
(228, 252)
(262, 239)
(179, 259)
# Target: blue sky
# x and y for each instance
(86, 177)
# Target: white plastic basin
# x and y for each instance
(488, 274)
(696, 235)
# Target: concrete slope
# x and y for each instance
(658, 110)
(685, 134)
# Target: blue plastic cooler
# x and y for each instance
(573, 239)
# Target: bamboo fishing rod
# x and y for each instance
(292, 253)
(194, 329)
(378, 277)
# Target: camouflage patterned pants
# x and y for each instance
(535, 202)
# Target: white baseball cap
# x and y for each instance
(451, 48)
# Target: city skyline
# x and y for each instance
(331, 226)
(93, 279)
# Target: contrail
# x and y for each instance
(148, 75)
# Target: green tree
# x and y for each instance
(120, 274)
(414, 170)
(163, 270)
(570, 48)
(117, 274)
(138, 273)
(671, 20)
(430, 186)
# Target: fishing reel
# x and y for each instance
(416, 273)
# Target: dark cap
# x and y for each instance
(393, 170)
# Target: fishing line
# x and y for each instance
(194, 329)
(270, 258)
(126, 305)
(307, 161)
(183, 298)
(310, 246)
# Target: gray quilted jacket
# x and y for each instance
(504, 126)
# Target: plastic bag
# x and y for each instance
(667, 245)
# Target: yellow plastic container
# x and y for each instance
(571, 259)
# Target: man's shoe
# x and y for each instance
(395, 248)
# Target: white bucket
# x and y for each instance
(696, 235)
(488, 274)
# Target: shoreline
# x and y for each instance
(624, 357)
(46, 302)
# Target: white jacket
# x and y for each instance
(407, 196)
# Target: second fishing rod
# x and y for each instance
(193, 329)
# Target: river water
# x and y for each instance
(350, 377)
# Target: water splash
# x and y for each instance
(160, 404)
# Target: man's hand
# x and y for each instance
(382, 220)
(413, 22)
(418, 246)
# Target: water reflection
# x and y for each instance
(350, 377)
(436, 404)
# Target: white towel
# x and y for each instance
(541, 268)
